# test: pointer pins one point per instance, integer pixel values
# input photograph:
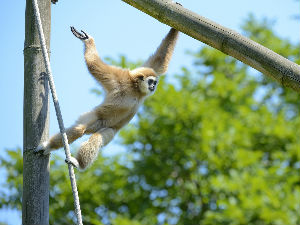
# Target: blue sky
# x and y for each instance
(118, 29)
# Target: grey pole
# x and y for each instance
(35, 199)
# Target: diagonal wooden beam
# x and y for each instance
(284, 71)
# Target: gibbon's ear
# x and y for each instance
(159, 61)
(141, 73)
(140, 77)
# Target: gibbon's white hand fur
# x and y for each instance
(125, 92)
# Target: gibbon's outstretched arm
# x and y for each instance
(102, 72)
(159, 61)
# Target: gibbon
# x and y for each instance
(125, 92)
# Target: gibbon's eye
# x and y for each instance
(141, 77)
(152, 82)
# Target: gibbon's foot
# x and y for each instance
(73, 161)
(82, 36)
(42, 148)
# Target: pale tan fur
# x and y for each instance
(125, 91)
(159, 61)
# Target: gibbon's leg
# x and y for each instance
(55, 141)
(89, 149)
(73, 133)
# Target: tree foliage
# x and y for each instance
(218, 144)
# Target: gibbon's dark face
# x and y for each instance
(148, 84)
(151, 83)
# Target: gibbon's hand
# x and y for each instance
(82, 36)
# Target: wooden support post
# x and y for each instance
(35, 200)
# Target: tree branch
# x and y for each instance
(282, 70)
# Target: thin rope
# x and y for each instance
(58, 112)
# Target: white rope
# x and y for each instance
(58, 112)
